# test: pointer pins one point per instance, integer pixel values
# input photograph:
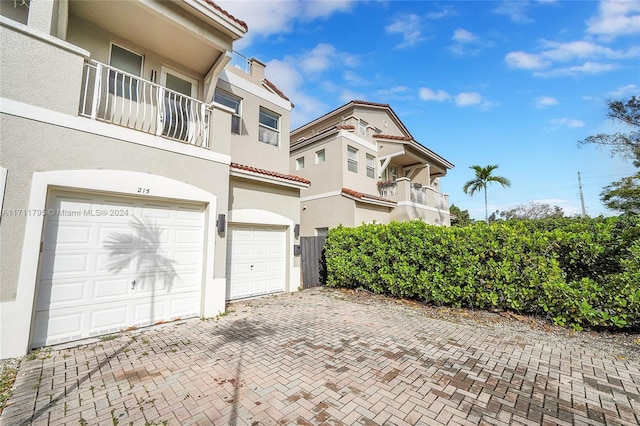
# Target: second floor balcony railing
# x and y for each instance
(404, 190)
(117, 97)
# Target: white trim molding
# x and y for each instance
(16, 340)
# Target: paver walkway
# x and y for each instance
(312, 358)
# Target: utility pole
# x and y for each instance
(584, 211)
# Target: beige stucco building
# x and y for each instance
(366, 166)
(144, 173)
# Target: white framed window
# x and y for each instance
(320, 156)
(299, 163)
(371, 166)
(131, 63)
(352, 159)
(233, 102)
(269, 128)
(362, 127)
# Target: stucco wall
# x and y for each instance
(29, 146)
(245, 147)
(247, 194)
(325, 176)
(58, 78)
(326, 213)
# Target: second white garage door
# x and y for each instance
(110, 262)
(256, 261)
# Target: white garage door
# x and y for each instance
(109, 263)
(256, 259)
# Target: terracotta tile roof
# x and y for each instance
(392, 137)
(277, 91)
(270, 173)
(228, 15)
(327, 130)
(371, 104)
(363, 196)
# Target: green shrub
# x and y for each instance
(579, 272)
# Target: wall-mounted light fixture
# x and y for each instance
(296, 230)
(221, 223)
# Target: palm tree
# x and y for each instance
(483, 177)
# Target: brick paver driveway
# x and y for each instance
(313, 358)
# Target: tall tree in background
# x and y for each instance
(624, 194)
(532, 211)
(484, 176)
(462, 217)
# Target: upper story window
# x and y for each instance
(362, 127)
(233, 102)
(269, 130)
(352, 159)
(371, 166)
(129, 62)
(299, 163)
(320, 156)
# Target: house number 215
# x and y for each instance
(143, 190)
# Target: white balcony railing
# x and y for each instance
(117, 97)
(404, 190)
(241, 62)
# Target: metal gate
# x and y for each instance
(313, 264)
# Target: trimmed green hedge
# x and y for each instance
(579, 272)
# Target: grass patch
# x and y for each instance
(8, 372)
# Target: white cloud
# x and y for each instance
(409, 26)
(463, 36)
(615, 18)
(567, 122)
(523, 60)
(515, 10)
(462, 99)
(592, 68)
(545, 101)
(628, 90)
(466, 43)
(589, 55)
(347, 95)
(288, 79)
(465, 99)
(563, 52)
(427, 94)
(269, 17)
(323, 9)
(319, 58)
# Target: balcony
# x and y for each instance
(403, 189)
(116, 97)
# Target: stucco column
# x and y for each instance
(41, 15)
(220, 129)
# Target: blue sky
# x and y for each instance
(510, 83)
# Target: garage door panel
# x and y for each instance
(90, 262)
(187, 236)
(67, 235)
(107, 318)
(63, 326)
(63, 293)
(256, 262)
(105, 290)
